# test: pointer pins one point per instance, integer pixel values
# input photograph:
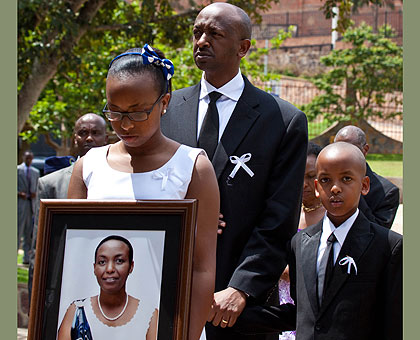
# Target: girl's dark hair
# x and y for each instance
(313, 149)
(118, 238)
(132, 65)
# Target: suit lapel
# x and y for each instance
(186, 117)
(242, 119)
(355, 244)
(24, 178)
(309, 253)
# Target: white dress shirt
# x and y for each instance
(340, 233)
(231, 92)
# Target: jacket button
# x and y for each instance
(317, 327)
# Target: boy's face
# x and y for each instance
(340, 181)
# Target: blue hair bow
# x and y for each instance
(150, 57)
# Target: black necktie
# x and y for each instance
(327, 260)
(209, 133)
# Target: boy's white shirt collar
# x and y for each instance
(341, 231)
(232, 89)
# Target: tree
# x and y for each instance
(346, 8)
(370, 71)
(64, 48)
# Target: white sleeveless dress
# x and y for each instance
(170, 181)
(135, 329)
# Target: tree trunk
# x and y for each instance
(44, 70)
(63, 149)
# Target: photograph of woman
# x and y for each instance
(113, 313)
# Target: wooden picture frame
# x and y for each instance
(68, 228)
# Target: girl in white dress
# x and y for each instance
(145, 164)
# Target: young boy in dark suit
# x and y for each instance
(346, 286)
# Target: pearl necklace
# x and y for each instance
(116, 317)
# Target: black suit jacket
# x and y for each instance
(381, 203)
(261, 212)
(366, 305)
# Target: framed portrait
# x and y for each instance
(75, 238)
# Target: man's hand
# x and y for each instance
(22, 194)
(227, 305)
(222, 225)
(285, 275)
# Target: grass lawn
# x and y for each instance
(386, 165)
(22, 272)
(316, 128)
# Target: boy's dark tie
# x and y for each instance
(209, 134)
(327, 257)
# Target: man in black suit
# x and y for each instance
(358, 295)
(381, 203)
(259, 157)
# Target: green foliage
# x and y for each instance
(186, 73)
(368, 71)
(316, 128)
(252, 65)
(78, 86)
(384, 157)
(22, 272)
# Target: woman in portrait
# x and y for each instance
(144, 164)
(113, 313)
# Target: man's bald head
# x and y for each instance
(92, 118)
(89, 132)
(28, 156)
(353, 135)
(243, 24)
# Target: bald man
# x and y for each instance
(89, 132)
(381, 203)
(357, 292)
(257, 144)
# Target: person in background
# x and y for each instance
(381, 203)
(312, 208)
(89, 132)
(312, 212)
(257, 144)
(27, 179)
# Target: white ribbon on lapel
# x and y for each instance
(164, 175)
(348, 260)
(240, 163)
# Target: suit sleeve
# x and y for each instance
(385, 211)
(393, 292)
(41, 192)
(259, 319)
(264, 257)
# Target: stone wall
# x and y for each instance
(378, 142)
(299, 60)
